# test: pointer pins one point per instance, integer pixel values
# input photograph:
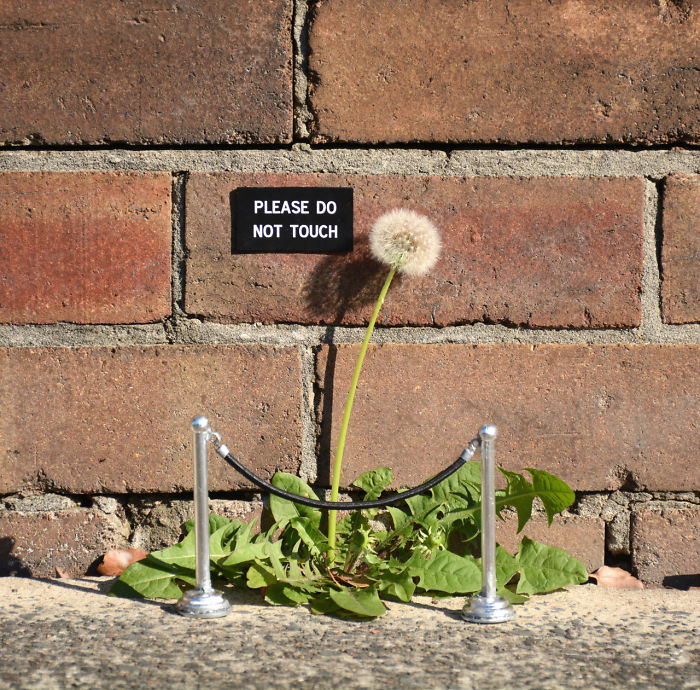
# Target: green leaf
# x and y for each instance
(282, 509)
(151, 578)
(398, 517)
(446, 572)
(546, 568)
(360, 602)
(374, 482)
(552, 491)
(397, 585)
(468, 477)
(323, 605)
(312, 537)
(555, 494)
(511, 597)
(506, 566)
(260, 575)
(242, 555)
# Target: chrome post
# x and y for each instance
(487, 606)
(204, 601)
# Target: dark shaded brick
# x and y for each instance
(140, 72)
(666, 546)
(582, 537)
(507, 71)
(596, 416)
(60, 544)
(84, 247)
(548, 252)
(117, 420)
(680, 255)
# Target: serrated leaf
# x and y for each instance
(260, 575)
(466, 477)
(555, 494)
(282, 509)
(181, 554)
(242, 555)
(397, 585)
(520, 494)
(374, 482)
(312, 537)
(446, 572)
(360, 602)
(546, 568)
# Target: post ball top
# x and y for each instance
(200, 423)
(488, 432)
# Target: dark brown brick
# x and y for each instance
(117, 420)
(84, 247)
(666, 546)
(59, 544)
(543, 252)
(680, 258)
(507, 71)
(146, 72)
(596, 416)
(582, 537)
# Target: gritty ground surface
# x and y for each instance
(69, 634)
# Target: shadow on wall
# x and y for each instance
(9, 565)
(342, 284)
(682, 581)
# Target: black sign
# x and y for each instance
(313, 220)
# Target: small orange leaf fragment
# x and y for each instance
(116, 561)
(606, 576)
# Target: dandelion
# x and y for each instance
(408, 243)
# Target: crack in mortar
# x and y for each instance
(308, 470)
(302, 111)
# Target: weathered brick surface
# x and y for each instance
(64, 543)
(582, 537)
(541, 252)
(666, 546)
(114, 420)
(143, 72)
(597, 416)
(84, 247)
(506, 71)
(680, 257)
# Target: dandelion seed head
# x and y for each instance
(406, 241)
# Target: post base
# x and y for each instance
(487, 609)
(200, 603)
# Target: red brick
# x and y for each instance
(212, 71)
(542, 252)
(680, 256)
(666, 546)
(582, 537)
(600, 417)
(510, 71)
(64, 543)
(84, 247)
(117, 420)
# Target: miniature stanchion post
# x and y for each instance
(203, 601)
(487, 606)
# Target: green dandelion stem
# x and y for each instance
(338, 461)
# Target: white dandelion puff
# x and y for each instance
(406, 241)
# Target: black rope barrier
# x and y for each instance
(466, 455)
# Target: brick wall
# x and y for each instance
(556, 147)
